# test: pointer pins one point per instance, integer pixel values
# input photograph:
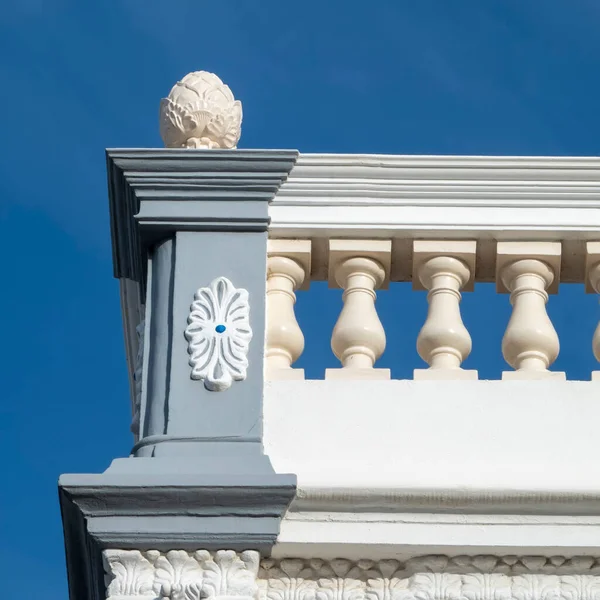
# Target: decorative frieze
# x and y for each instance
(432, 578)
(181, 575)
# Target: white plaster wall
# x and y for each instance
(480, 434)
(402, 468)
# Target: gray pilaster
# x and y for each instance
(177, 408)
(197, 476)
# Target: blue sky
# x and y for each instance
(433, 76)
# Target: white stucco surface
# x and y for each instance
(404, 467)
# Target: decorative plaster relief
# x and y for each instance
(179, 575)
(137, 377)
(219, 334)
(128, 575)
(200, 112)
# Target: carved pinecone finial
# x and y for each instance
(200, 112)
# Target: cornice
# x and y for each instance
(367, 496)
(469, 170)
(153, 193)
(377, 195)
(158, 504)
(448, 160)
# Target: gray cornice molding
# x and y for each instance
(155, 192)
(148, 504)
(207, 511)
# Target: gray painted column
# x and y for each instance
(197, 476)
(176, 407)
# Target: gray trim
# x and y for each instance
(198, 477)
(217, 190)
(167, 503)
(159, 332)
(133, 312)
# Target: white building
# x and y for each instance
(248, 481)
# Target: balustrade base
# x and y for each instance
(533, 375)
(350, 373)
(401, 468)
(284, 374)
(444, 374)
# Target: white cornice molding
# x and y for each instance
(182, 575)
(379, 196)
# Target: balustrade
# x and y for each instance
(528, 271)
(443, 223)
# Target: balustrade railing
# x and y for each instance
(443, 223)
(527, 271)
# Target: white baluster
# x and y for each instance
(288, 267)
(527, 270)
(592, 271)
(443, 268)
(359, 267)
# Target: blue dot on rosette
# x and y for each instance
(220, 328)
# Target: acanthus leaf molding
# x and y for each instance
(228, 575)
(129, 575)
(289, 579)
(387, 582)
(340, 579)
(178, 576)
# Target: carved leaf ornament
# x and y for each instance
(219, 334)
(228, 575)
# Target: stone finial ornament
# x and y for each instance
(200, 112)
